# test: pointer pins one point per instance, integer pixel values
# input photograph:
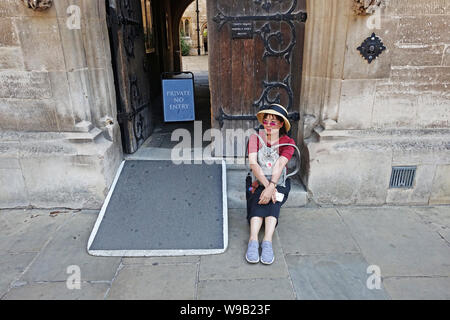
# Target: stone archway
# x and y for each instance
(204, 39)
(178, 8)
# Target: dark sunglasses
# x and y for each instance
(272, 123)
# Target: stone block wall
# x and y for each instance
(407, 86)
(66, 71)
(57, 147)
(393, 111)
(412, 79)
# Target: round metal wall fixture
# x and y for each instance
(371, 48)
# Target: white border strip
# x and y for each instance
(225, 205)
(160, 253)
(103, 210)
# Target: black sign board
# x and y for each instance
(242, 30)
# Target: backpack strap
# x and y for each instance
(281, 145)
(262, 141)
(298, 151)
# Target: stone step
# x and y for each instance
(236, 191)
(243, 164)
(84, 126)
(84, 137)
(236, 174)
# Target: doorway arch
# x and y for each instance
(178, 8)
(204, 28)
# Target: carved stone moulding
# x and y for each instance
(38, 5)
(365, 7)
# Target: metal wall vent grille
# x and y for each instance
(402, 177)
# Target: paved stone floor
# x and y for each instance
(195, 63)
(321, 253)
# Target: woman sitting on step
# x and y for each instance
(262, 204)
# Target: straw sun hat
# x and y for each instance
(275, 109)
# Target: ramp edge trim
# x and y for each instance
(105, 205)
(155, 253)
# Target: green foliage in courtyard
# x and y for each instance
(185, 47)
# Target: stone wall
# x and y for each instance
(58, 145)
(361, 119)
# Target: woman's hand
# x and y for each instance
(268, 194)
(274, 195)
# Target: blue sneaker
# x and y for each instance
(267, 256)
(252, 255)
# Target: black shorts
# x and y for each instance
(266, 210)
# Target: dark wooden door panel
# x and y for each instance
(131, 71)
(257, 64)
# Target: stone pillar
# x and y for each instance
(362, 119)
(59, 143)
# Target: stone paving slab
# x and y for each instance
(11, 268)
(438, 218)
(58, 291)
(409, 244)
(250, 289)
(162, 282)
(398, 241)
(17, 225)
(314, 230)
(331, 277)
(67, 248)
(195, 63)
(232, 264)
(418, 288)
(160, 260)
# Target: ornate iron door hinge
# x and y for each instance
(293, 116)
(265, 32)
(122, 20)
(128, 116)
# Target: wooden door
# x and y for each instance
(131, 67)
(255, 56)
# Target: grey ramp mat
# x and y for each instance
(158, 208)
